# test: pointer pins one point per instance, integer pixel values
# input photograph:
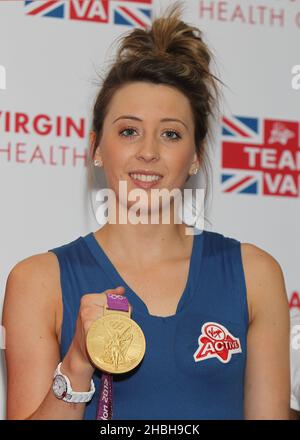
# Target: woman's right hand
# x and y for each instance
(91, 308)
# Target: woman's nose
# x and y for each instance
(149, 150)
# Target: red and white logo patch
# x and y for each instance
(216, 341)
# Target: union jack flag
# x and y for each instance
(53, 8)
(240, 183)
(240, 129)
(135, 13)
(260, 156)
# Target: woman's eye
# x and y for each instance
(174, 132)
(130, 134)
(127, 129)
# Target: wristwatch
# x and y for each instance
(62, 389)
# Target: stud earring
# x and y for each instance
(97, 163)
(196, 171)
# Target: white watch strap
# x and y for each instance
(75, 396)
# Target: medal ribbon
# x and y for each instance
(105, 403)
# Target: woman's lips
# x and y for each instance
(143, 184)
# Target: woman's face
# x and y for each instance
(148, 128)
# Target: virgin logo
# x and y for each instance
(216, 341)
(215, 332)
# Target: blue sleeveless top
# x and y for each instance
(195, 360)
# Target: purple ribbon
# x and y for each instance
(105, 403)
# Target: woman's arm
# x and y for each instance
(267, 381)
(32, 348)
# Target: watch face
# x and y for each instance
(59, 386)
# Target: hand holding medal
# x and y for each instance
(115, 344)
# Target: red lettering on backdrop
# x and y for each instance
(27, 128)
(295, 300)
(276, 156)
(93, 10)
(42, 125)
(246, 13)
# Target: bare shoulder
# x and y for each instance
(258, 257)
(39, 269)
(35, 262)
(264, 279)
(30, 319)
(36, 281)
(267, 391)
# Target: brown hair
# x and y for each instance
(169, 52)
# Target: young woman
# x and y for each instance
(213, 311)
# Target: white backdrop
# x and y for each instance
(48, 64)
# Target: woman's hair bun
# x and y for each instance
(168, 38)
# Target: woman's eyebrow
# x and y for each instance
(138, 119)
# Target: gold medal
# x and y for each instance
(115, 342)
